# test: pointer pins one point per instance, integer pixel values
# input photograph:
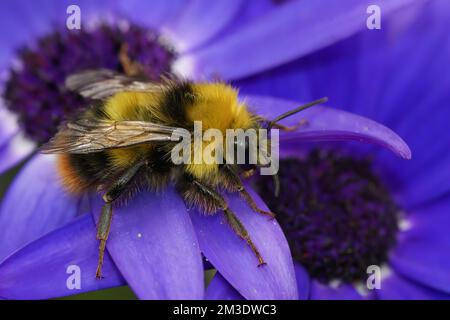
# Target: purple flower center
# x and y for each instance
(336, 214)
(35, 90)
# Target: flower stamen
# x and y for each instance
(337, 215)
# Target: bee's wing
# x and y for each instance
(87, 136)
(102, 83)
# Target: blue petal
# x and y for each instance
(394, 77)
(294, 30)
(220, 289)
(249, 12)
(326, 124)
(303, 282)
(422, 251)
(323, 292)
(32, 19)
(14, 150)
(420, 95)
(34, 205)
(154, 14)
(8, 128)
(26, 19)
(232, 257)
(153, 243)
(13, 146)
(396, 287)
(195, 27)
(48, 267)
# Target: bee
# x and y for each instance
(124, 140)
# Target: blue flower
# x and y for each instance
(397, 76)
(156, 245)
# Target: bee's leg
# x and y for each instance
(240, 230)
(131, 68)
(236, 182)
(248, 198)
(248, 173)
(215, 201)
(104, 224)
(103, 228)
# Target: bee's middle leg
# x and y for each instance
(104, 223)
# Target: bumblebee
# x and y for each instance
(124, 141)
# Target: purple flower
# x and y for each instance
(155, 245)
(377, 211)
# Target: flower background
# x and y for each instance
(291, 50)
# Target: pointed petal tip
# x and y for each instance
(235, 261)
(406, 154)
(325, 123)
(398, 146)
(61, 263)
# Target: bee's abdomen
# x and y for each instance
(83, 172)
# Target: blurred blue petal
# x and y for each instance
(232, 257)
(32, 19)
(293, 30)
(303, 282)
(200, 21)
(422, 252)
(396, 287)
(326, 124)
(394, 77)
(155, 13)
(323, 292)
(249, 12)
(42, 269)
(13, 146)
(153, 244)
(220, 289)
(34, 205)
(9, 127)
(14, 151)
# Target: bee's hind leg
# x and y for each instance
(237, 184)
(104, 223)
(210, 200)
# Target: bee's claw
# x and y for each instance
(262, 263)
(270, 214)
(98, 274)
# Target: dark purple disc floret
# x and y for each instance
(337, 215)
(35, 89)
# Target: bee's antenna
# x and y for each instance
(296, 110)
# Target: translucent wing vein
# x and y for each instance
(87, 136)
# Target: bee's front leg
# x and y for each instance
(104, 224)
